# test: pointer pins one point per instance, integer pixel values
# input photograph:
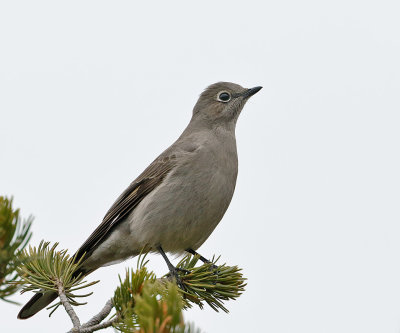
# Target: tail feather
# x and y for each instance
(37, 303)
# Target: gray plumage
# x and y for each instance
(176, 203)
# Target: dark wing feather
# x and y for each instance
(127, 201)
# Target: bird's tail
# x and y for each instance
(37, 303)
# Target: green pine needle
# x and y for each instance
(124, 295)
(159, 310)
(210, 283)
(41, 267)
(147, 304)
(14, 236)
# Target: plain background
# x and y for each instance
(92, 91)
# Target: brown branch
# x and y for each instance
(94, 324)
(68, 307)
(100, 316)
(98, 326)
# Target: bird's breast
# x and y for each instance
(183, 211)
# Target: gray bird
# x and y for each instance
(176, 203)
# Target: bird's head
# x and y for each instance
(222, 102)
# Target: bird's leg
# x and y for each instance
(206, 261)
(172, 269)
(191, 251)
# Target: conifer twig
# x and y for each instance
(14, 235)
(98, 318)
(95, 323)
(143, 302)
(97, 327)
(64, 301)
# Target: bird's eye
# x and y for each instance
(224, 97)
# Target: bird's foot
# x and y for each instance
(174, 274)
(183, 270)
(213, 267)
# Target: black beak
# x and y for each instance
(251, 92)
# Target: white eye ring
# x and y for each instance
(224, 96)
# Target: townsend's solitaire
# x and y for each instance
(176, 203)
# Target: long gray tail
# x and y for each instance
(37, 303)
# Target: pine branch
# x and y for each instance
(210, 283)
(100, 316)
(143, 302)
(98, 327)
(95, 323)
(44, 268)
(14, 235)
(66, 304)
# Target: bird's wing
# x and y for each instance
(128, 200)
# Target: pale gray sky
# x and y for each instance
(91, 92)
